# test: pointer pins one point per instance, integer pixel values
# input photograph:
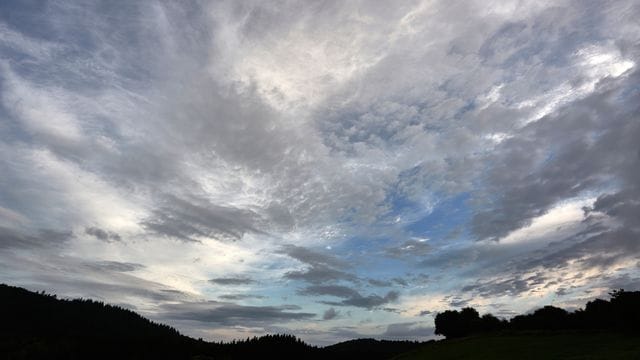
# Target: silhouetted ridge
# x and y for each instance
(369, 349)
(621, 313)
(37, 325)
(41, 326)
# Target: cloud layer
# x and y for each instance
(330, 169)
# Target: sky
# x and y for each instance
(329, 169)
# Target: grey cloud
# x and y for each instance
(351, 297)
(319, 274)
(601, 249)
(400, 281)
(167, 122)
(562, 156)
(10, 238)
(367, 302)
(239, 280)
(312, 257)
(229, 314)
(425, 313)
(561, 292)
(332, 290)
(187, 220)
(495, 288)
(457, 301)
(321, 268)
(330, 314)
(104, 235)
(232, 297)
(380, 283)
(112, 282)
(116, 266)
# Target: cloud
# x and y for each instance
(117, 266)
(207, 135)
(586, 139)
(331, 290)
(400, 281)
(231, 297)
(317, 274)
(330, 314)
(351, 297)
(103, 235)
(229, 314)
(187, 221)
(367, 302)
(322, 267)
(380, 283)
(240, 280)
(10, 238)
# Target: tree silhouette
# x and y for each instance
(621, 313)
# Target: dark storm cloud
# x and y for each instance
(229, 314)
(187, 220)
(103, 235)
(10, 238)
(238, 280)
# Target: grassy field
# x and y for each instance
(532, 346)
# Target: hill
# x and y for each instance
(532, 345)
(37, 326)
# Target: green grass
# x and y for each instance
(525, 346)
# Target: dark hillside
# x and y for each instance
(38, 326)
(370, 349)
(590, 345)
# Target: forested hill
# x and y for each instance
(38, 326)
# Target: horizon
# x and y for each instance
(329, 170)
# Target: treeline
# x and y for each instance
(40, 326)
(620, 313)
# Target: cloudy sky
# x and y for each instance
(328, 169)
